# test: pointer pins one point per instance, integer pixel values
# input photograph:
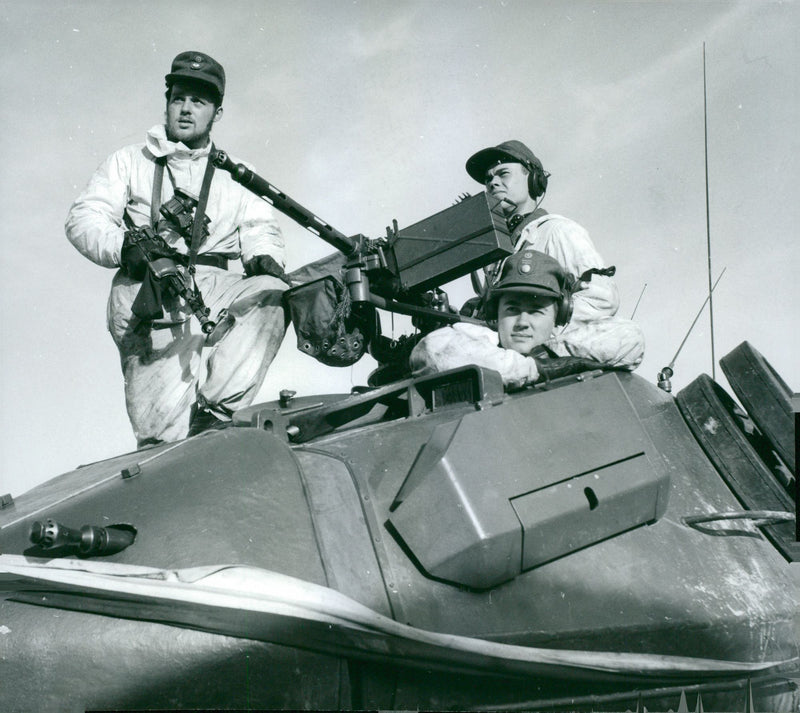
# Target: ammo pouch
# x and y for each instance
(327, 326)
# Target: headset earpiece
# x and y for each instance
(564, 304)
(564, 310)
(537, 180)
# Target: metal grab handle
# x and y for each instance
(759, 517)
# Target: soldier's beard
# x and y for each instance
(196, 138)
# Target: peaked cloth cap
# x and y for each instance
(530, 272)
(198, 67)
(507, 152)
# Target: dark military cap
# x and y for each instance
(198, 67)
(531, 272)
(507, 152)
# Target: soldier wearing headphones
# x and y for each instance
(531, 300)
(513, 175)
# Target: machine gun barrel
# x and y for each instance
(263, 188)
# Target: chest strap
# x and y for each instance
(200, 211)
(155, 199)
(516, 223)
(213, 259)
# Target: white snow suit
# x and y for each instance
(594, 331)
(166, 374)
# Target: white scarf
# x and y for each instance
(159, 145)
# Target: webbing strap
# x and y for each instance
(200, 211)
(517, 222)
(155, 200)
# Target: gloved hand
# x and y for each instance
(265, 265)
(556, 367)
(139, 248)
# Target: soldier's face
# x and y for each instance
(190, 114)
(525, 321)
(508, 182)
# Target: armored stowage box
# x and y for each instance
(501, 491)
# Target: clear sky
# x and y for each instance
(366, 111)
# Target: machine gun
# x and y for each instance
(403, 271)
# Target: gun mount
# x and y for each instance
(403, 271)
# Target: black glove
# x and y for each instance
(139, 248)
(556, 367)
(265, 265)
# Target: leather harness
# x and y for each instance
(195, 258)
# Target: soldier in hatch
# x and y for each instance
(170, 391)
(513, 175)
(532, 299)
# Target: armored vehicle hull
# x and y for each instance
(434, 543)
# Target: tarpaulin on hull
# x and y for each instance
(253, 603)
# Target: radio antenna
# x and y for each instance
(639, 300)
(666, 373)
(708, 222)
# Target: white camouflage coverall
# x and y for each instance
(593, 332)
(163, 363)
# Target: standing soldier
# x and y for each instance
(159, 214)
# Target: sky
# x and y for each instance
(365, 112)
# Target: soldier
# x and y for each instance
(171, 389)
(513, 175)
(530, 301)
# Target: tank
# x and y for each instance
(589, 543)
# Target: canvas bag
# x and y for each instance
(327, 326)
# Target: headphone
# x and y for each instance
(537, 179)
(564, 304)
